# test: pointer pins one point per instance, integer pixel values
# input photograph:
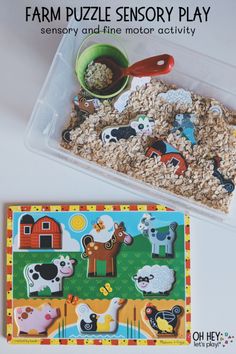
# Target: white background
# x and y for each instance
(25, 58)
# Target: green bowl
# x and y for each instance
(93, 52)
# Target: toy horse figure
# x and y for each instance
(108, 251)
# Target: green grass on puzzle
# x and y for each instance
(129, 260)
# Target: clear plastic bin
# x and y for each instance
(193, 71)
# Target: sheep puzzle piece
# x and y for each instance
(154, 279)
(141, 125)
(157, 238)
(98, 274)
(42, 275)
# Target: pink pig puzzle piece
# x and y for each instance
(30, 318)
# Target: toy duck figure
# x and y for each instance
(105, 326)
(89, 326)
(106, 322)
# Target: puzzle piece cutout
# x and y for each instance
(177, 96)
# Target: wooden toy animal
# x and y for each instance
(157, 238)
(164, 322)
(30, 318)
(40, 276)
(106, 322)
(105, 251)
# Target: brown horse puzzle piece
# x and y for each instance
(98, 251)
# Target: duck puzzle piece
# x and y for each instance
(227, 183)
(30, 318)
(39, 276)
(107, 251)
(106, 322)
(157, 238)
(177, 96)
(141, 125)
(164, 321)
(168, 155)
(154, 279)
(185, 123)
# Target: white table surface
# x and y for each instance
(25, 57)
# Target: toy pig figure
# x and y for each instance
(29, 318)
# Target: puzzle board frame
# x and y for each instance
(88, 208)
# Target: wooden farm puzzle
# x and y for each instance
(98, 274)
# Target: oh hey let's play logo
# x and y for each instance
(212, 339)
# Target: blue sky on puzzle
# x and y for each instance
(130, 219)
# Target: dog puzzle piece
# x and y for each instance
(163, 321)
(227, 183)
(177, 96)
(39, 276)
(154, 279)
(185, 123)
(90, 321)
(30, 318)
(107, 251)
(168, 155)
(141, 125)
(136, 83)
(157, 238)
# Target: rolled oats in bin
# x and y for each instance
(98, 76)
(213, 132)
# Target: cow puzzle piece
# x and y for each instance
(29, 318)
(185, 123)
(157, 238)
(141, 125)
(39, 276)
(168, 155)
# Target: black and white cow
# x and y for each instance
(41, 275)
(142, 125)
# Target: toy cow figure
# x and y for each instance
(30, 318)
(40, 276)
(141, 125)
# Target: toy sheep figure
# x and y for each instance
(154, 279)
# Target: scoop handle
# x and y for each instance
(153, 66)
